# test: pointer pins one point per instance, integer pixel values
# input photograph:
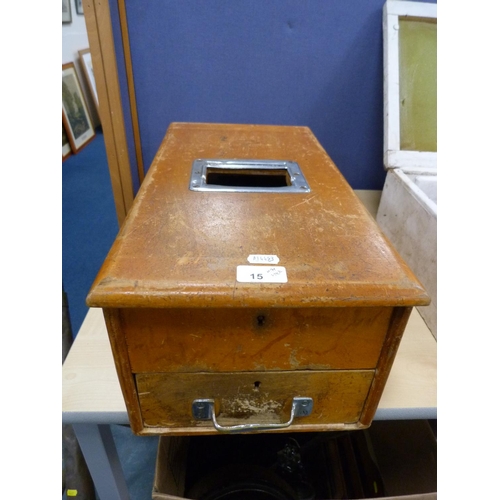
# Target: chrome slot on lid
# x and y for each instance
(247, 176)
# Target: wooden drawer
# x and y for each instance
(237, 339)
(258, 398)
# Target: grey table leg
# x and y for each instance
(98, 448)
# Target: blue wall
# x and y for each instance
(288, 62)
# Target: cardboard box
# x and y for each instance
(170, 472)
(391, 460)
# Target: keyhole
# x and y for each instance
(256, 386)
(261, 320)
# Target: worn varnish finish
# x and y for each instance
(177, 317)
(252, 396)
(238, 339)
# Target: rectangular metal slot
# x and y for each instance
(248, 177)
(262, 176)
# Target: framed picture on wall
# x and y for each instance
(79, 7)
(66, 11)
(66, 147)
(88, 71)
(76, 117)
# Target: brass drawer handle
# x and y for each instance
(203, 409)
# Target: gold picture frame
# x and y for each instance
(76, 116)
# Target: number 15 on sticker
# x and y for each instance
(261, 274)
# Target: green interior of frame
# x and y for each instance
(418, 84)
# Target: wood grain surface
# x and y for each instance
(181, 248)
(237, 339)
(260, 397)
(91, 392)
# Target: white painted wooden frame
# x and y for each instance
(394, 157)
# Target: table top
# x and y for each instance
(91, 392)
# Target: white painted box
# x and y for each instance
(407, 212)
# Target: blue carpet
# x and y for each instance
(89, 223)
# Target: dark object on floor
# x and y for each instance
(296, 466)
(283, 478)
(246, 482)
(76, 476)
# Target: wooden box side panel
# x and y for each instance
(260, 397)
(397, 327)
(123, 369)
(227, 340)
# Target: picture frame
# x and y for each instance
(79, 7)
(395, 155)
(66, 11)
(76, 116)
(66, 146)
(88, 71)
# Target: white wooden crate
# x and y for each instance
(408, 206)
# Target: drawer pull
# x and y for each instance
(203, 409)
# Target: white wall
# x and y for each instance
(74, 38)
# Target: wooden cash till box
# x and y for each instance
(249, 289)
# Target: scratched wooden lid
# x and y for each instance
(185, 248)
